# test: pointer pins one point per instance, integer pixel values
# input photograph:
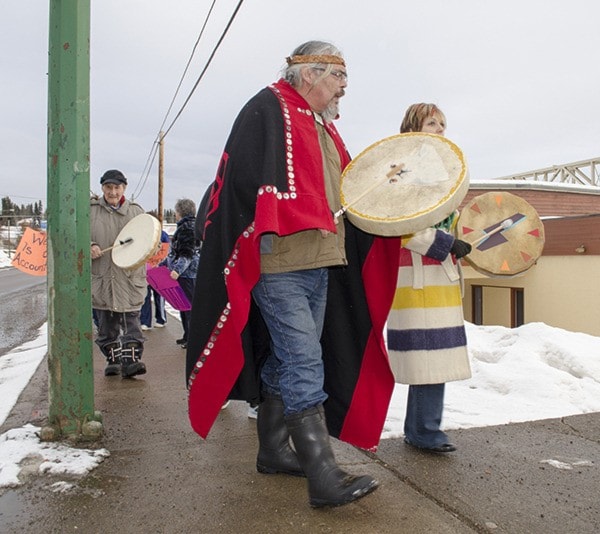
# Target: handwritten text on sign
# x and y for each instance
(32, 252)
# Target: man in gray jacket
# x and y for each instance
(117, 294)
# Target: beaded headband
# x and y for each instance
(295, 60)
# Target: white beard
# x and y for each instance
(331, 112)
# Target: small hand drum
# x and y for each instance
(505, 232)
(404, 183)
(138, 241)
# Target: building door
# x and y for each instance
(477, 305)
(518, 306)
(493, 305)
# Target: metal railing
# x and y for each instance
(585, 172)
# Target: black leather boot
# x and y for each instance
(328, 485)
(130, 360)
(112, 351)
(274, 452)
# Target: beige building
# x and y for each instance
(562, 289)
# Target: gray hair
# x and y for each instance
(291, 73)
(185, 207)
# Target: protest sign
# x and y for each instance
(32, 253)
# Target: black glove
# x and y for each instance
(460, 248)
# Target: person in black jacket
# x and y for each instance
(183, 257)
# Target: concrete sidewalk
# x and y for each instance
(163, 478)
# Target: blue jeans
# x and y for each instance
(159, 308)
(293, 307)
(424, 416)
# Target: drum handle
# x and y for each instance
(395, 169)
(502, 226)
(124, 242)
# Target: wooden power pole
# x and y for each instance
(161, 167)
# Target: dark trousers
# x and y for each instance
(114, 326)
(187, 284)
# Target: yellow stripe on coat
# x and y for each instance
(428, 297)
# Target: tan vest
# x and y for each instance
(309, 249)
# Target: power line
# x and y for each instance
(146, 170)
(188, 65)
(21, 196)
(153, 151)
(155, 144)
(212, 55)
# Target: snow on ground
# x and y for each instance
(523, 374)
(17, 368)
(21, 448)
(4, 259)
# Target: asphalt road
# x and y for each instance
(23, 307)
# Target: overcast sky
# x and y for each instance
(518, 81)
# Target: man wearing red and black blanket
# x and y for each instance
(290, 302)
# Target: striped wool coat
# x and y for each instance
(426, 334)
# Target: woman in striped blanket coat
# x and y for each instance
(426, 333)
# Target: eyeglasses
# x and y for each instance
(339, 74)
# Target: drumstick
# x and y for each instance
(395, 169)
(502, 226)
(125, 242)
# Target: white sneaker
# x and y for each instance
(252, 412)
(144, 327)
(159, 325)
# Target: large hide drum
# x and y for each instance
(505, 231)
(404, 183)
(138, 241)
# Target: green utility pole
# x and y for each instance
(70, 365)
